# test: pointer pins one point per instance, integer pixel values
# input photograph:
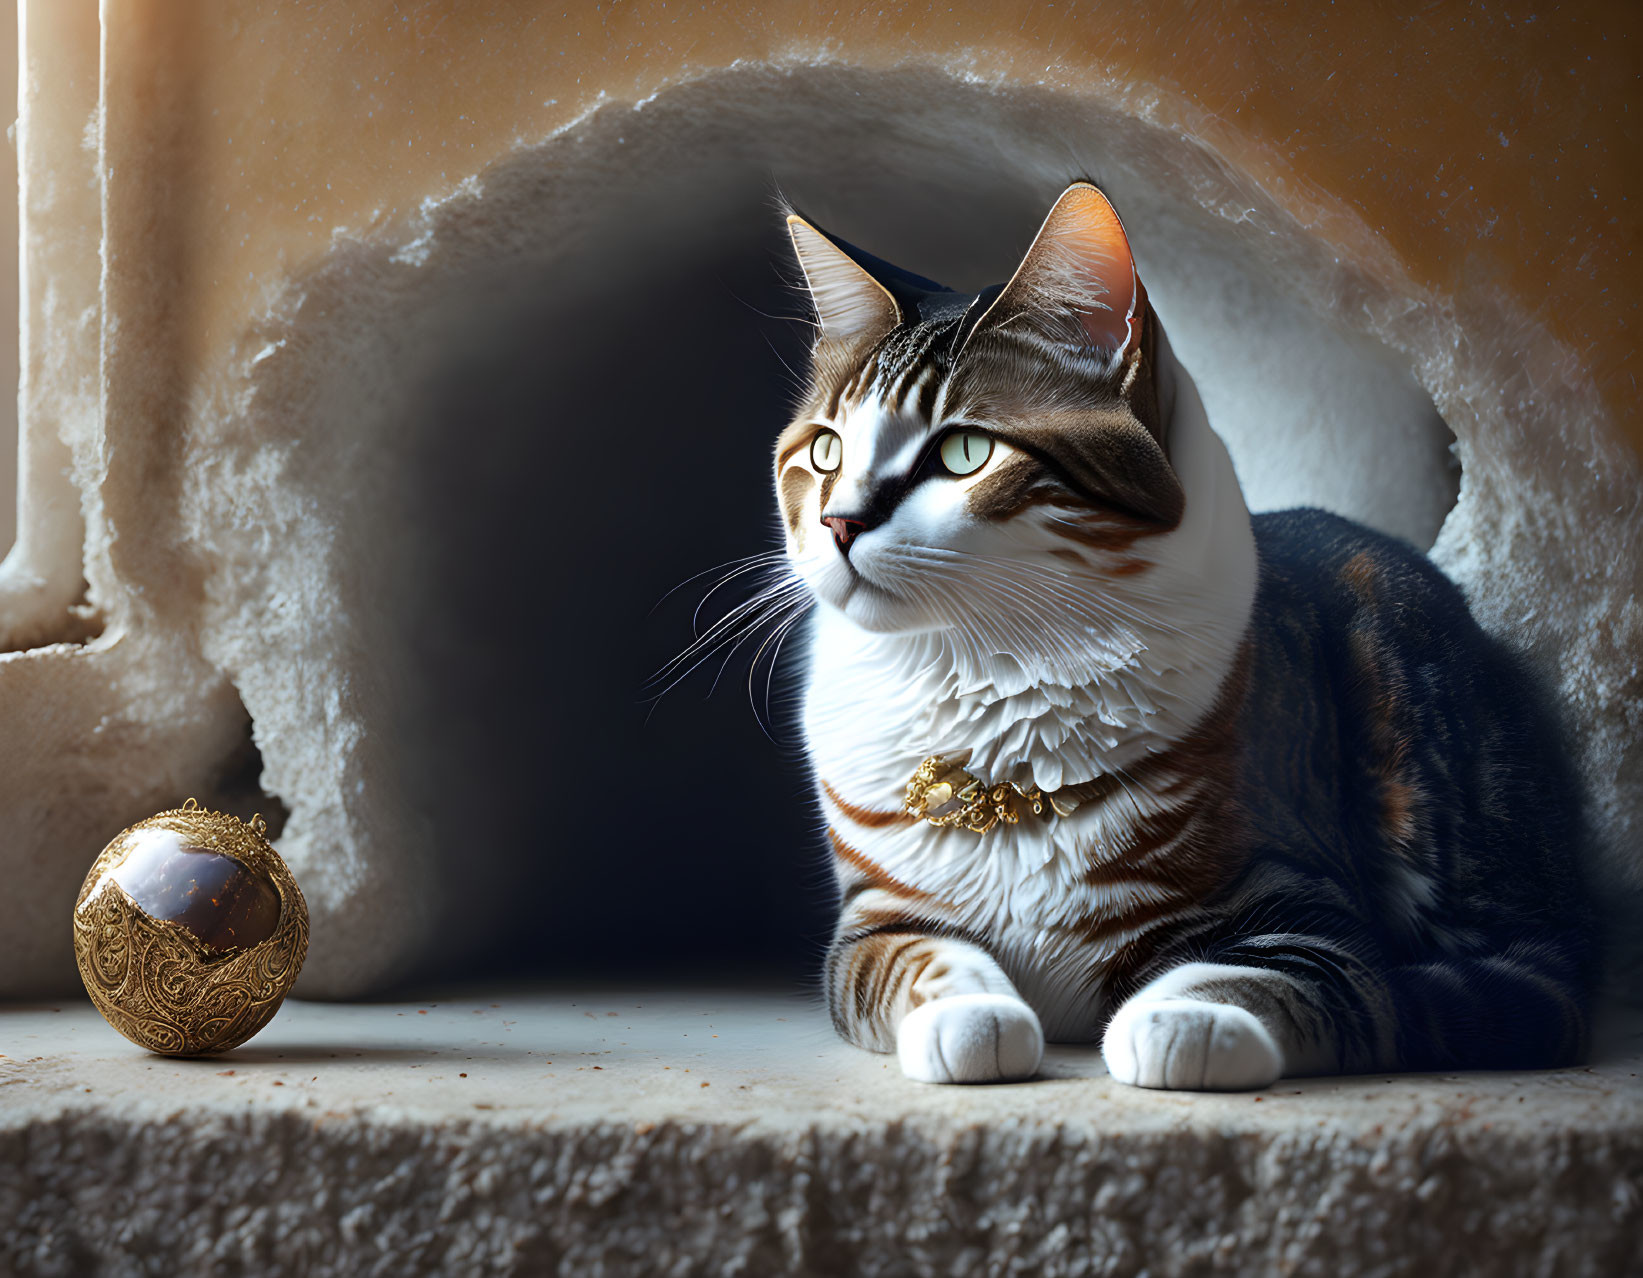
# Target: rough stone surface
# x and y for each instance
(632, 1131)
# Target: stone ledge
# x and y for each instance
(682, 1132)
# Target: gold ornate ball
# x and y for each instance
(190, 931)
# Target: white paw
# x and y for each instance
(1191, 1046)
(970, 1038)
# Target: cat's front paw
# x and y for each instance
(970, 1038)
(1191, 1046)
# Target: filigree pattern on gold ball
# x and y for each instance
(189, 931)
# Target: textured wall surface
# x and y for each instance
(361, 340)
(9, 343)
(620, 1132)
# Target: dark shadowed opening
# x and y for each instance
(572, 474)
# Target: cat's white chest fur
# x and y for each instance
(877, 705)
(1024, 886)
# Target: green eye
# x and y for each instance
(966, 451)
(826, 452)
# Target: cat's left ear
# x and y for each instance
(850, 303)
(1078, 279)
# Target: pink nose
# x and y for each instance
(845, 531)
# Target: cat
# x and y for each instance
(1102, 757)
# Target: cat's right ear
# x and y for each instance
(850, 303)
(1078, 281)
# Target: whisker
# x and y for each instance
(1087, 607)
(733, 638)
(1091, 606)
(779, 636)
(748, 613)
(773, 562)
(771, 615)
(766, 556)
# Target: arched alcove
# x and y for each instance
(525, 420)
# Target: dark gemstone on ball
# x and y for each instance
(218, 898)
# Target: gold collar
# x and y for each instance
(943, 793)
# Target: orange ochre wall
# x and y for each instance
(1491, 146)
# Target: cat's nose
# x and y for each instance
(845, 531)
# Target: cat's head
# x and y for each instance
(965, 455)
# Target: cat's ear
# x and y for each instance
(850, 303)
(1078, 279)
